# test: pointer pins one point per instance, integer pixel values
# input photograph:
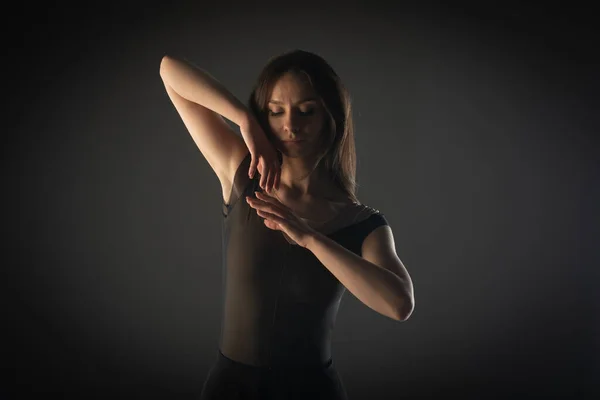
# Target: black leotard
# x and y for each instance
(280, 303)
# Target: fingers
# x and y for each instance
(274, 201)
(276, 175)
(265, 210)
(263, 205)
(269, 181)
(270, 174)
(271, 216)
(263, 174)
(252, 169)
(273, 172)
(270, 224)
(277, 178)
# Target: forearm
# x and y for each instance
(377, 287)
(198, 86)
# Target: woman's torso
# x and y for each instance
(280, 302)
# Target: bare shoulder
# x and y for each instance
(361, 212)
(350, 213)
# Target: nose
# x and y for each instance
(290, 124)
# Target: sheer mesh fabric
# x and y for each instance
(280, 303)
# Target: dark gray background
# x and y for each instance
(476, 132)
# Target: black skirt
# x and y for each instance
(232, 380)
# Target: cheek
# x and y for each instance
(318, 125)
(273, 125)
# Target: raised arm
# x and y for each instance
(203, 103)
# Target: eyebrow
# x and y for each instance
(300, 102)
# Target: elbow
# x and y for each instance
(406, 308)
(164, 65)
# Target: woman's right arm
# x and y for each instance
(202, 102)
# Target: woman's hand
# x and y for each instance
(279, 217)
(264, 156)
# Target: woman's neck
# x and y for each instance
(304, 178)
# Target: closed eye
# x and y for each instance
(303, 113)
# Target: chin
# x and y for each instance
(293, 153)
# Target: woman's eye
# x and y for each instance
(302, 113)
(307, 112)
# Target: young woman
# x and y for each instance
(295, 236)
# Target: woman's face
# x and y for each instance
(296, 115)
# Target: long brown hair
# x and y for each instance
(338, 155)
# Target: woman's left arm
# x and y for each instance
(378, 278)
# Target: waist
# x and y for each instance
(261, 346)
(288, 364)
